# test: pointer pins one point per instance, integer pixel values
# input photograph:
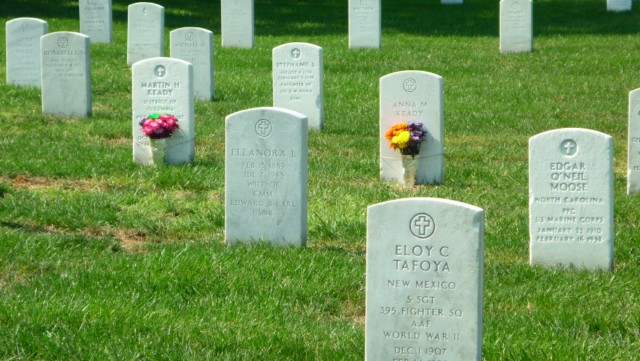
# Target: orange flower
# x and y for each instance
(394, 131)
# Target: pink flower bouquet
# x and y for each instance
(157, 126)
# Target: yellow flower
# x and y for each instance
(401, 139)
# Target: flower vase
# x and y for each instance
(409, 170)
(159, 150)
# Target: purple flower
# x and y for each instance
(417, 133)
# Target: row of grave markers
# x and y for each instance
(411, 96)
(570, 187)
(145, 36)
(297, 85)
(365, 19)
(146, 21)
(32, 61)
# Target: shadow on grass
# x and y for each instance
(325, 17)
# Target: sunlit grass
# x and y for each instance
(103, 259)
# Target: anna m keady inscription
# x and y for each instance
(424, 280)
(266, 176)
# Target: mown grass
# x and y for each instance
(104, 259)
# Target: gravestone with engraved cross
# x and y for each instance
(145, 31)
(195, 45)
(424, 280)
(163, 86)
(237, 23)
(516, 26)
(618, 5)
(23, 51)
(96, 20)
(66, 74)
(571, 199)
(298, 78)
(365, 24)
(413, 97)
(266, 176)
(633, 149)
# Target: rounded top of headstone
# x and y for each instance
(160, 60)
(25, 19)
(573, 131)
(418, 201)
(147, 4)
(413, 73)
(267, 111)
(298, 44)
(65, 33)
(191, 28)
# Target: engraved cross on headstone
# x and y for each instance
(263, 128)
(569, 147)
(422, 223)
(160, 71)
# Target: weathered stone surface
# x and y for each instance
(571, 199)
(424, 280)
(266, 166)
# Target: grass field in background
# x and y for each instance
(101, 258)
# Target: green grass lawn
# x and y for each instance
(103, 259)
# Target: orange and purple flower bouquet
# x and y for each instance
(407, 137)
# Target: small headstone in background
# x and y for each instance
(516, 26)
(633, 164)
(298, 78)
(23, 51)
(266, 152)
(413, 97)
(619, 5)
(365, 24)
(164, 86)
(424, 280)
(571, 199)
(451, 2)
(237, 23)
(66, 74)
(195, 45)
(96, 20)
(145, 31)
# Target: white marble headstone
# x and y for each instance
(195, 45)
(145, 31)
(619, 5)
(66, 74)
(266, 152)
(633, 159)
(96, 20)
(516, 26)
(23, 51)
(365, 24)
(237, 23)
(425, 273)
(413, 97)
(298, 81)
(164, 86)
(571, 199)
